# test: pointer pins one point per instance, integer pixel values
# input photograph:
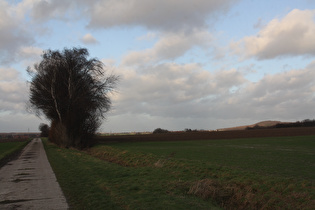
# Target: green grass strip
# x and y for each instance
(9, 148)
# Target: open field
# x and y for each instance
(282, 156)
(13, 137)
(207, 135)
(252, 173)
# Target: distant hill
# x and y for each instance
(267, 123)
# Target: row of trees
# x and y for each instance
(72, 91)
(160, 130)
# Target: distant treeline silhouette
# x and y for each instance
(304, 123)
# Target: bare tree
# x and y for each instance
(72, 91)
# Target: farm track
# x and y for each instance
(28, 182)
(209, 135)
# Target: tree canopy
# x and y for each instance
(44, 129)
(72, 91)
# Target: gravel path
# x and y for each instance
(29, 182)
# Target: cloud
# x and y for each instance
(189, 91)
(29, 55)
(290, 36)
(13, 91)
(89, 39)
(172, 89)
(16, 19)
(285, 95)
(166, 15)
(19, 122)
(30, 52)
(14, 33)
(8, 74)
(169, 47)
(57, 9)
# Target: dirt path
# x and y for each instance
(29, 182)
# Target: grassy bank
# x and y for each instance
(187, 175)
(91, 183)
(9, 148)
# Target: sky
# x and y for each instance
(202, 64)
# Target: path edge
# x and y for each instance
(13, 156)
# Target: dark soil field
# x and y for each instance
(208, 135)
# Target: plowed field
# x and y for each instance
(208, 135)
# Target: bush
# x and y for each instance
(160, 130)
(190, 130)
(44, 128)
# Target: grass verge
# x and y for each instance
(91, 183)
(9, 150)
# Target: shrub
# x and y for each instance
(160, 130)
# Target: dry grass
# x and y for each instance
(232, 196)
(159, 163)
(207, 188)
(123, 158)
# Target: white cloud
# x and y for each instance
(180, 92)
(169, 47)
(171, 89)
(285, 95)
(290, 36)
(13, 91)
(89, 39)
(169, 15)
(14, 33)
(109, 63)
(8, 74)
(30, 52)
